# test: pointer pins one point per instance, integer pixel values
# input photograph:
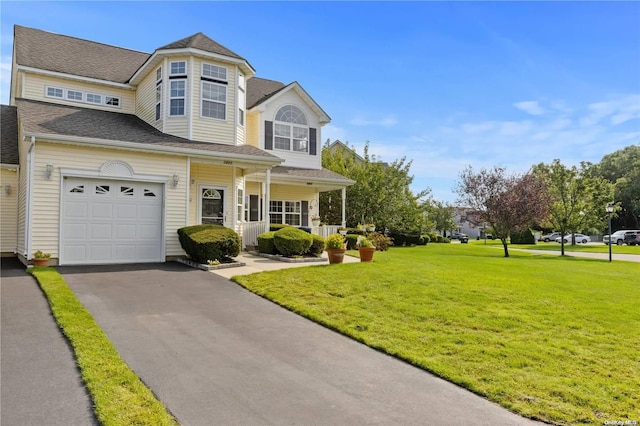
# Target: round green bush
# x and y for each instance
(266, 243)
(209, 242)
(317, 246)
(292, 241)
(352, 241)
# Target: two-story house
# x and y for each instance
(112, 150)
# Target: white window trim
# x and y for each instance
(158, 102)
(284, 212)
(84, 100)
(184, 97)
(224, 201)
(214, 65)
(242, 117)
(202, 100)
(47, 95)
(186, 69)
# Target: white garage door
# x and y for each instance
(110, 221)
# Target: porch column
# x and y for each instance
(344, 207)
(267, 195)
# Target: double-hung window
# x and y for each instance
(177, 88)
(177, 97)
(213, 91)
(290, 130)
(214, 100)
(158, 93)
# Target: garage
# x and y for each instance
(111, 221)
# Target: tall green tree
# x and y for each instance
(622, 169)
(578, 197)
(441, 215)
(382, 193)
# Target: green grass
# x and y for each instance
(553, 246)
(550, 338)
(119, 397)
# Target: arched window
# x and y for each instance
(290, 130)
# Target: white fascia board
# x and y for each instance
(76, 77)
(323, 117)
(244, 65)
(277, 178)
(156, 149)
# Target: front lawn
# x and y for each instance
(550, 338)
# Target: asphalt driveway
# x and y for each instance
(41, 384)
(215, 353)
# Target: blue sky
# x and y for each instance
(445, 84)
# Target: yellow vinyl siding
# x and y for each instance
(291, 193)
(211, 129)
(253, 130)
(204, 174)
(146, 99)
(35, 88)
(252, 188)
(176, 125)
(23, 146)
(46, 193)
(8, 210)
(240, 135)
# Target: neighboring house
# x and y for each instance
(339, 147)
(117, 149)
(468, 222)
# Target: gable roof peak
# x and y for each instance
(203, 42)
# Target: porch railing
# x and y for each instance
(251, 230)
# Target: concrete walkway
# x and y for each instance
(601, 256)
(41, 384)
(216, 353)
(255, 263)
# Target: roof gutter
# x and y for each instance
(75, 77)
(157, 149)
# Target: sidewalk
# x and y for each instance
(601, 256)
(259, 264)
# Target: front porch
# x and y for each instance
(249, 232)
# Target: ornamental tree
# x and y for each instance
(508, 203)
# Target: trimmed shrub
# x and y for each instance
(277, 226)
(352, 241)
(266, 243)
(292, 241)
(524, 237)
(317, 246)
(381, 242)
(445, 240)
(209, 242)
(355, 231)
(424, 240)
(401, 239)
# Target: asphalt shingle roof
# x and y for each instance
(70, 55)
(261, 89)
(9, 135)
(202, 42)
(64, 120)
(309, 173)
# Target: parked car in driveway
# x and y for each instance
(580, 238)
(632, 239)
(457, 236)
(618, 236)
(550, 237)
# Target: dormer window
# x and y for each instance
(178, 68)
(290, 130)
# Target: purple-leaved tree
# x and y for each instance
(508, 203)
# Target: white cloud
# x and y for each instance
(530, 107)
(5, 79)
(332, 133)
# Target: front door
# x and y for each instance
(212, 208)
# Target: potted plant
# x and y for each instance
(342, 231)
(370, 227)
(315, 220)
(40, 258)
(335, 247)
(366, 249)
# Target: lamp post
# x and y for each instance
(609, 210)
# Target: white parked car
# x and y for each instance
(580, 238)
(618, 236)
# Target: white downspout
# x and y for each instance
(29, 200)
